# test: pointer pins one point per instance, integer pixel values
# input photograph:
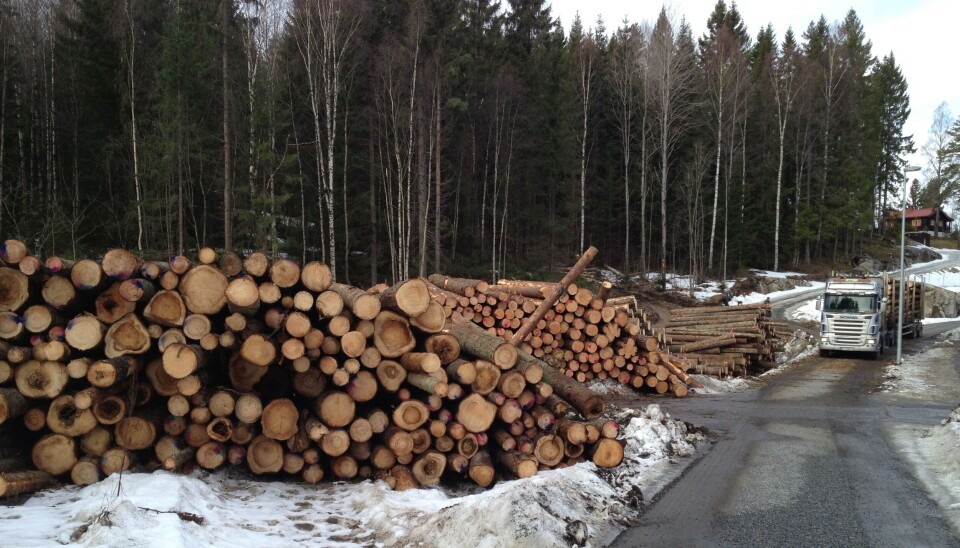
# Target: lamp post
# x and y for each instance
(903, 237)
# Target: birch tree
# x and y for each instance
(785, 69)
(586, 55)
(325, 32)
(672, 76)
(627, 49)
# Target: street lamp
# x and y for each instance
(903, 237)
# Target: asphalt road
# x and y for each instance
(804, 460)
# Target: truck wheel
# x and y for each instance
(824, 353)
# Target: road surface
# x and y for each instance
(802, 461)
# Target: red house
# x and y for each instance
(922, 220)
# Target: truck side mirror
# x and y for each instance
(819, 304)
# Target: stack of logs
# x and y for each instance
(268, 365)
(587, 336)
(726, 340)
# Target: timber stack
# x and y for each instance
(268, 365)
(584, 335)
(726, 341)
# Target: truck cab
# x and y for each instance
(852, 316)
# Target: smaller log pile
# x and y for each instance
(271, 366)
(585, 335)
(726, 340)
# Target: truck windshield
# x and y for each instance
(850, 303)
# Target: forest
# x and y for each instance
(475, 137)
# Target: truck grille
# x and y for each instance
(849, 332)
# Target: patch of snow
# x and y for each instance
(553, 508)
(928, 373)
(931, 321)
(713, 385)
(806, 312)
(775, 274)
(608, 387)
(776, 295)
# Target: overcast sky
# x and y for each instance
(922, 34)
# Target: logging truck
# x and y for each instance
(860, 314)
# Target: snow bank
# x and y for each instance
(577, 505)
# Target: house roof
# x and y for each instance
(921, 213)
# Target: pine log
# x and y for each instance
(24, 482)
(445, 346)
(279, 419)
(180, 360)
(487, 377)
(243, 295)
(127, 335)
(87, 275)
(431, 320)
(475, 413)
(12, 404)
(335, 443)
(463, 286)
(11, 328)
(391, 375)
(109, 410)
(460, 371)
(41, 380)
(364, 305)
(392, 335)
(329, 304)
(116, 460)
(13, 251)
(590, 405)
(336, 409)
(63, 417)
(478, 343)
(316, 276)
(410, 415)
(259, 350)
(55, 454)
(256, 264)
(481, 469)
(14, 289)
(59, 292)
(548, 302)
(84, 332)
(549, 449)
(120, 264)
(362, 387)
(285, 273)
(410, 297)
(135, 433)
(428, 467)
(203, 289)
(111, 306)
(264, 455)
(519, 465)
(166, 308)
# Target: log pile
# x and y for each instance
(268, 365)
(726, 340)
(584, 335)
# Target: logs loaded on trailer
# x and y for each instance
(726, 340)
(269, 365)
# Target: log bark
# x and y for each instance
(481, 469)
(12, 404)
(14, 289)
(24, 482)
(478, 343)
(364, 305)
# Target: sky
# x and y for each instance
(920, 33)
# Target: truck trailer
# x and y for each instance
(860, 314)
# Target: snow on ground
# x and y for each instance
(776, 295)
(225, 508)
(713, 385)
(806, 312)
(929, 373)
(948, 278)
